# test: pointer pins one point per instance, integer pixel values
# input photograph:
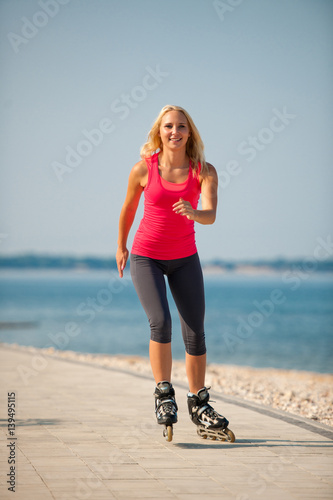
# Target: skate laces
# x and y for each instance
(205, 409)
(167, 406)
(210, 412)
(165, 402)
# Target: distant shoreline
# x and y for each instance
(214, 266)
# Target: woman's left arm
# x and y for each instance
(207, 215)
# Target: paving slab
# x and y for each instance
(83, 432)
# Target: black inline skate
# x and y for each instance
(209, 423)
(166, 407)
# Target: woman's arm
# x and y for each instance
(136, 183)
(207, 215)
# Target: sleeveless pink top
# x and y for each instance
(163, 234)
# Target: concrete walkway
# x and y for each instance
(85, 432)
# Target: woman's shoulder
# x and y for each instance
(140, 168)
(209, 171)
(145, 163)
(139, 174)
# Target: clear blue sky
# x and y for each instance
(256, 78)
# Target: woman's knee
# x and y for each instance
(160, 329)
(195, 345)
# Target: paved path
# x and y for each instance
(86, 432)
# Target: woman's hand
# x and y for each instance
(184, 208)
(121, 258)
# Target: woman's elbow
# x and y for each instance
(210, 220)
(212, 217)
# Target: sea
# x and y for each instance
(271, 320)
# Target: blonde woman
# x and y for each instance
(172, 174)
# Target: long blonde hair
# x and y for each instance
(194, 145)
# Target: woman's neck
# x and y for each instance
(173, 159)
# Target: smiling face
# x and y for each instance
(174, 130)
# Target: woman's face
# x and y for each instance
(174, 130)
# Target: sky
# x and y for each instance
(83, 81)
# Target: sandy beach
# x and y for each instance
(306, 394)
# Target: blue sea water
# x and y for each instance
(259, 321)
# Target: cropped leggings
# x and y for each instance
(186, 285)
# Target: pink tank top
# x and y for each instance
(163, 234)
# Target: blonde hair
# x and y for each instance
(194, 145)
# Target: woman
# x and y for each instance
(172, 174)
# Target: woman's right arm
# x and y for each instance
(136, 183)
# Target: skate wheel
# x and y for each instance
(167, 433)
(230, 436)
(201, 433)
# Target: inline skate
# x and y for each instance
(209, 423)
(166, 408)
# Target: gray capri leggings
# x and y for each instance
(186, 284)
